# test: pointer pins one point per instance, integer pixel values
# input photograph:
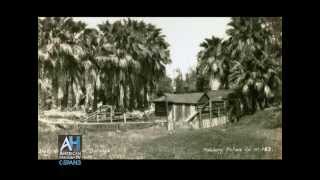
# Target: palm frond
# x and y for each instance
(66, 49)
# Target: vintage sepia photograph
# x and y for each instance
(159, 88)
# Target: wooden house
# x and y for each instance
(193, 110)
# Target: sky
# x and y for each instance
(184, 35)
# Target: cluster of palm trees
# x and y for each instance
(123, 63)
(250, 61)
(119, 63)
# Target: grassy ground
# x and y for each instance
(254, 137)
(258, 136)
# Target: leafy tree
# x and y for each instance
(178, 82)
(191, 81)
(164, 86)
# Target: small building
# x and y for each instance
(193, 110)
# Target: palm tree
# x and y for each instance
(157, 57)
(248, 61)
(63, 55)
(253, 66)
(121, 63)
(213, 62)
(139, 54)
(115, 45)
(92, 64)
(43, 68)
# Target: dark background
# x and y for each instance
(20, 81)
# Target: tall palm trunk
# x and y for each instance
(127, 97)
(114, 92)
(131, 97)
(134, 99)
(95, 98)
(139, 98)
(214, 82)
(254, 104)
(253, 99)
(121, 95)
(64, 103)
(145, 96)
(54, 97)
(73, 94)
(87, 98)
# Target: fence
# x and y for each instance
(107, 113)
(107, 118)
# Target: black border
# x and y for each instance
(29, 73)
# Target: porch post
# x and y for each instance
(111, 113)
(210, 109)
(167, 115)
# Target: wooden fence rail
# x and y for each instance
(107, 114)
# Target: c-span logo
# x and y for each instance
(69, 148)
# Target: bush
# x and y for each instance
(276, 120)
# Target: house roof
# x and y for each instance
(187, 98)
(219, 94)
(194, 98)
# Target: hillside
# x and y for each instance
(261, 130)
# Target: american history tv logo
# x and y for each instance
(70, 146)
